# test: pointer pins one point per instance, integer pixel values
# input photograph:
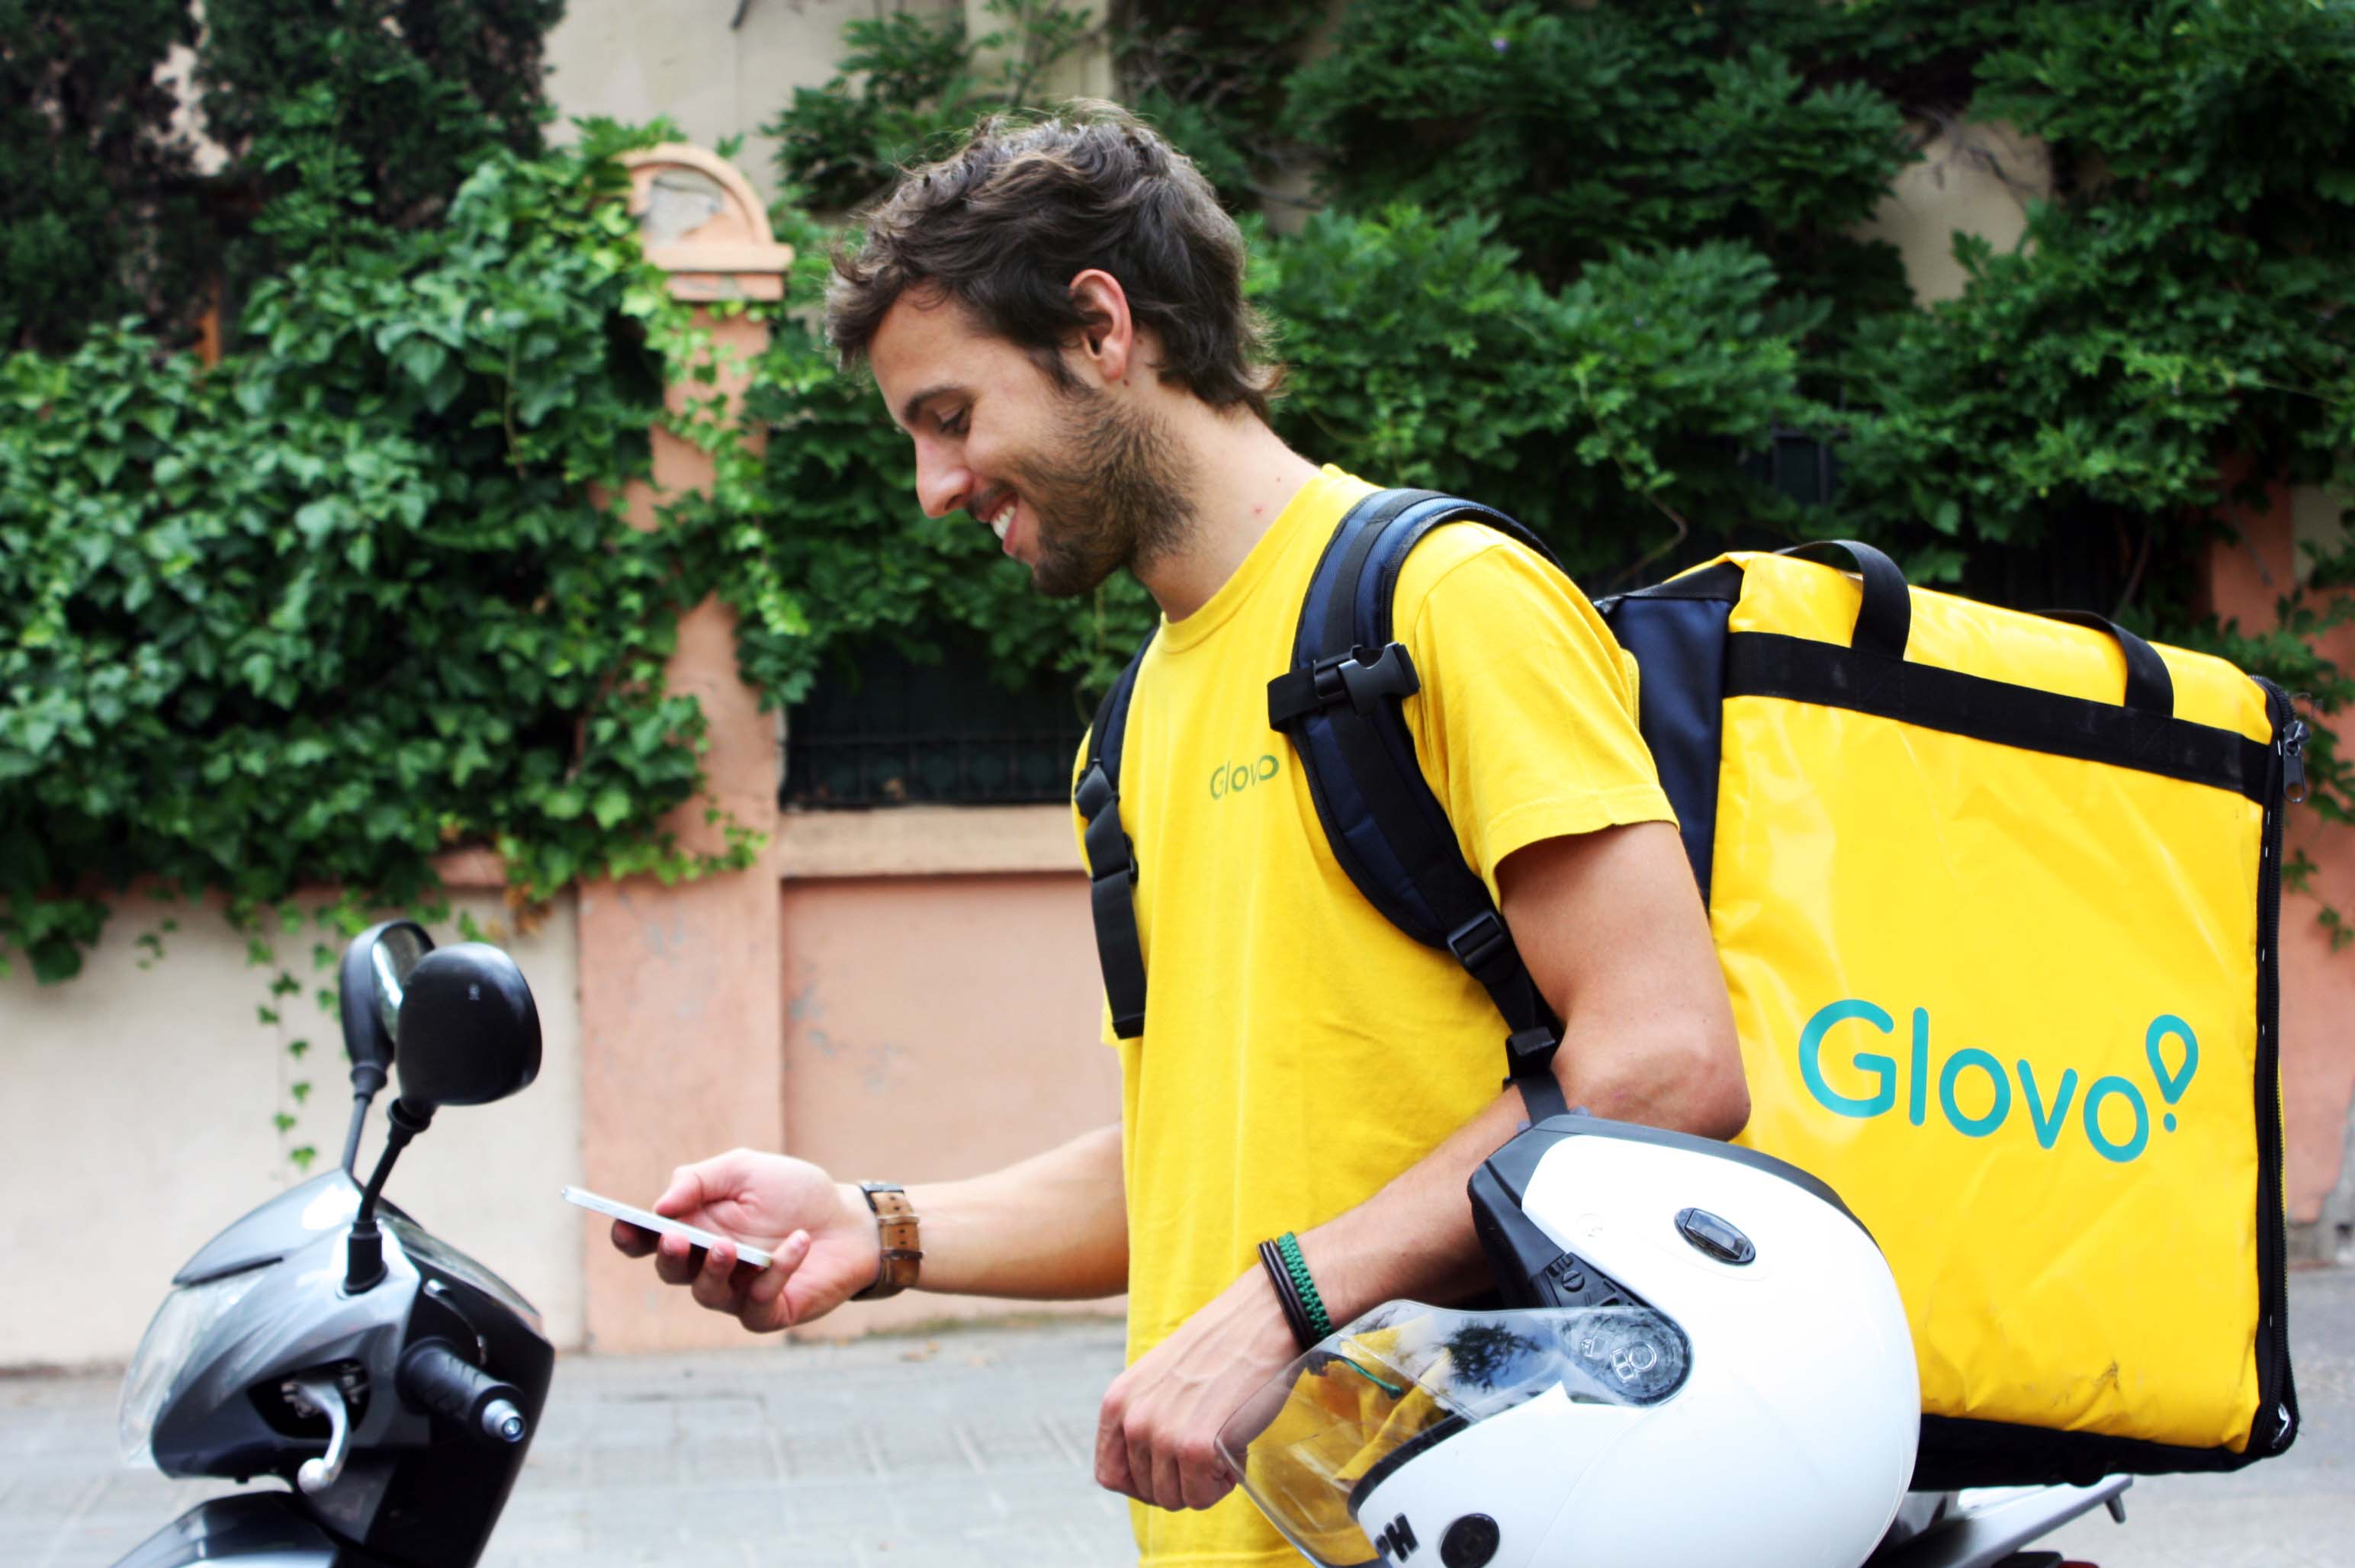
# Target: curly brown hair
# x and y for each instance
(1005, 223)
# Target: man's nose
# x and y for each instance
(941, 483)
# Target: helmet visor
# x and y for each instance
(1311, 1445)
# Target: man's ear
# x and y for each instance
(1107, 335)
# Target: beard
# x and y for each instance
(1112, 495)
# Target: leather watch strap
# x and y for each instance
(895, 1228)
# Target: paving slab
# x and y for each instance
(971, 1449)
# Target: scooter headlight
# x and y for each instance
(187, 1315)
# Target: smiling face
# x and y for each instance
(1076, 482)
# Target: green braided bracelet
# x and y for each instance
(1288, 1245)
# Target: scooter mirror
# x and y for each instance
(375, 973)
(468, 1032)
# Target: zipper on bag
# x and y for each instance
(2276, 1418)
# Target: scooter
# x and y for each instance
(1995, 1528)
(328, 1339)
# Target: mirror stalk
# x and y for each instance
(367, 1080)
(352, 1137)
(363, 1256)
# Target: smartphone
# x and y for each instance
(646, 1220)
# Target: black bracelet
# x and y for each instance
(1287, 1294)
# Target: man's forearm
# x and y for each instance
(1648, 1038)
(1052, 1228)
(1413, 1239)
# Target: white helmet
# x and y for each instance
(1702, 1361)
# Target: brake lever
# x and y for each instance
(322, 1396)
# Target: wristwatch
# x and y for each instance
(895, 1228)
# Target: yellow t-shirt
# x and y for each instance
(1299, 1050)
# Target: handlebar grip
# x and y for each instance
(435, 1376)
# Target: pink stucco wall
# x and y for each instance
(2247, 575)
(680, 1010)
(939, 1026)
(2317, 1001)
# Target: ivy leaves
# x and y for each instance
(1421, 353)
(352, 595)
(2185, 301)
(920, 83)
(1590, 131)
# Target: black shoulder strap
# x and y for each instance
(1339, 705)
(1112, 859)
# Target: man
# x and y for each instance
(1055, 316)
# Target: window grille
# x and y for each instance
(890, 732)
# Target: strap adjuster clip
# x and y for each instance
(1093, 791)
(1344, 678)
(1531, 1050)
(1361, 684)
(1479, 941)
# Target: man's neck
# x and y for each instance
(1241, 477)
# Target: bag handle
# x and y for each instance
(1884, 622)
(1885, 619)
(2149, 689)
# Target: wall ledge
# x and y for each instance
(471, 868)
(886, 841)
(926, 840)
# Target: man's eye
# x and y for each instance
(952, 424)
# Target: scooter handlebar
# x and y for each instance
(435, 1376)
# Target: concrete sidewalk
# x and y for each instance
(974, 1448)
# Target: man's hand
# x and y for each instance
(1157, 1434)
(823, 1242)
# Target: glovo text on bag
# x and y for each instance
(1975, 1088)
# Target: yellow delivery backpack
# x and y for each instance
(1996, 896)
(1997, 899)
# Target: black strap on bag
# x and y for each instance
(1340, 706)
(1884, 621)
(1884, 624)
(2149, 689)
(1112, 859)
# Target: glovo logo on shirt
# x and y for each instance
(2046, 1102)
(1233, 778)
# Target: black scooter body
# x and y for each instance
(410, 1494)
(259, 1530)
(328, 1339)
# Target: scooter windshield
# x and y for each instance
(1405, 1377)
(187, 1316)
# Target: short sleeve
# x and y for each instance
(1526, 723)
